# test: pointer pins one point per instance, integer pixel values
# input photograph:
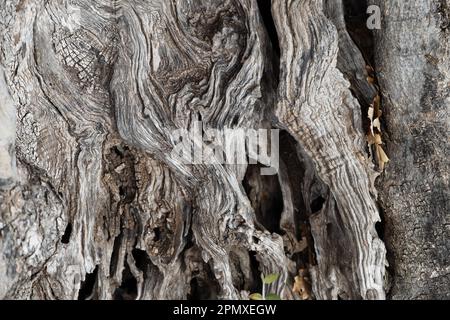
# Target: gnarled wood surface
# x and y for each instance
(94, 205)
(316, 106)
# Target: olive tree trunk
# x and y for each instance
(95, 205)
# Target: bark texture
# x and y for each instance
(94, 205)
(310, 88)
(413, 60)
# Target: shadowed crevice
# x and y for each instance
(265, 195)
(87, 286)
(67, 233)
(128, 288)
(265, 7)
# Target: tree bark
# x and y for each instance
(413, 63)
(95, 205)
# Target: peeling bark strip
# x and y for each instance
(317, 108)
(97, 205)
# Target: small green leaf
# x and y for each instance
(256, 296)
(271, 278)
(273, 296)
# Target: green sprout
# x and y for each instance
(266, 280)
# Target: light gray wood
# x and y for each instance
(94, 205)
(316, 106)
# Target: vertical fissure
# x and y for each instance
(67, 233)
(355, 15)
(265, 9)
(264, 193)
(128, 288)
(87, 287)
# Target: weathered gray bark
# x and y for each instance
(413, 63)
(311, 86)
(93, 204)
